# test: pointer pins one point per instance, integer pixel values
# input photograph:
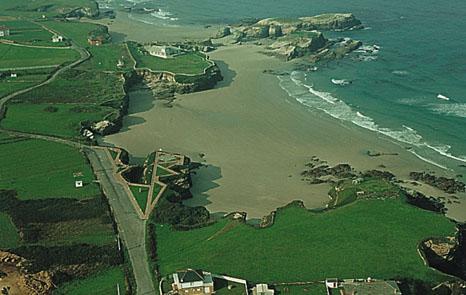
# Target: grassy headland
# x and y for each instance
(368, 238)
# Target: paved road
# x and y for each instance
(132, 229)
(84, 56)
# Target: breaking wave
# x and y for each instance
(307, 95)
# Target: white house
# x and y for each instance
(57, 38)
(193, 282)
(163, 51)
(4, 31)
(262, 289)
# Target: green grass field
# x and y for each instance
(102, 283)
(39, 169)
(23, 80)
(140, 194)
(18, 56)
(9, 237)
(190, 63)
(106, 57)
(368, 238)
(35, 118)
(29, 33)
(74, 30)
(37, 8)
(89, 231)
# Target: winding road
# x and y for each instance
(131, 228)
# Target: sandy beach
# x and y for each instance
(256, 139)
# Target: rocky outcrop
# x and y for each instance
(442, 248)
(15, 278)
(330, 21)
(292, 47)
(448, 185)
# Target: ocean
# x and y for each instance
(419, 54)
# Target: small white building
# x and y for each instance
(4, 31)
(193, 282)
(78, 183)
(164, 51)
(14, 75)
(262, 289)
(57, 38)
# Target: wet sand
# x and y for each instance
(256, 139)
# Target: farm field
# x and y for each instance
(368, 238)
(12, 56)
(29, 33)
(9, 237)
(20, 115)
(106, 57)
(102, 283)
(76, 31)
(75, 96)
(37, 8)
(190, 63)
(25, 160)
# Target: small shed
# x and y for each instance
(57, 38)
(4, 31)
(262, 289)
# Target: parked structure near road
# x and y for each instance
(4, 31)
(193, 282)
(164, 51)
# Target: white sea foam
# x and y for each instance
(454, 109)
(400, 72)
(326, 102)
(428, 160)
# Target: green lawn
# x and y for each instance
(106, 57)
(39, 169)
(102, 283)
(162, 172)
(140, 194)
(74, 30)
(37, 8)
(157, 189)
(36, 118)
(18, 56)
(23, 80)
(368, 238)
(9, 237)
(190, 63)
(29, 33)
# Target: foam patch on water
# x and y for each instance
(453, 109)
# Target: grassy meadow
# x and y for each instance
(102, 283)
(29, 33)
(9, 237)
(191, 63)
(140, 194)
(38, 8)
(368, 238)
(12, 56)
(29, 117)
(25, 161)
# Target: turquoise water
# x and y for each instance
(394, 91)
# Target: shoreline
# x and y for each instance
(256, 139)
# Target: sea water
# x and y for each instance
(420, 53)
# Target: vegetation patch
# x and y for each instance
(24, 79)
(48, 8)
(24, 163)
(109, 57)
(12, 56)
(29, 33)
(140, 194)
(45, 117)
(190, 63)
(104, 282)
(9, 237)
(368, 238)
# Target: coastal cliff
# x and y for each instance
(322, 22)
